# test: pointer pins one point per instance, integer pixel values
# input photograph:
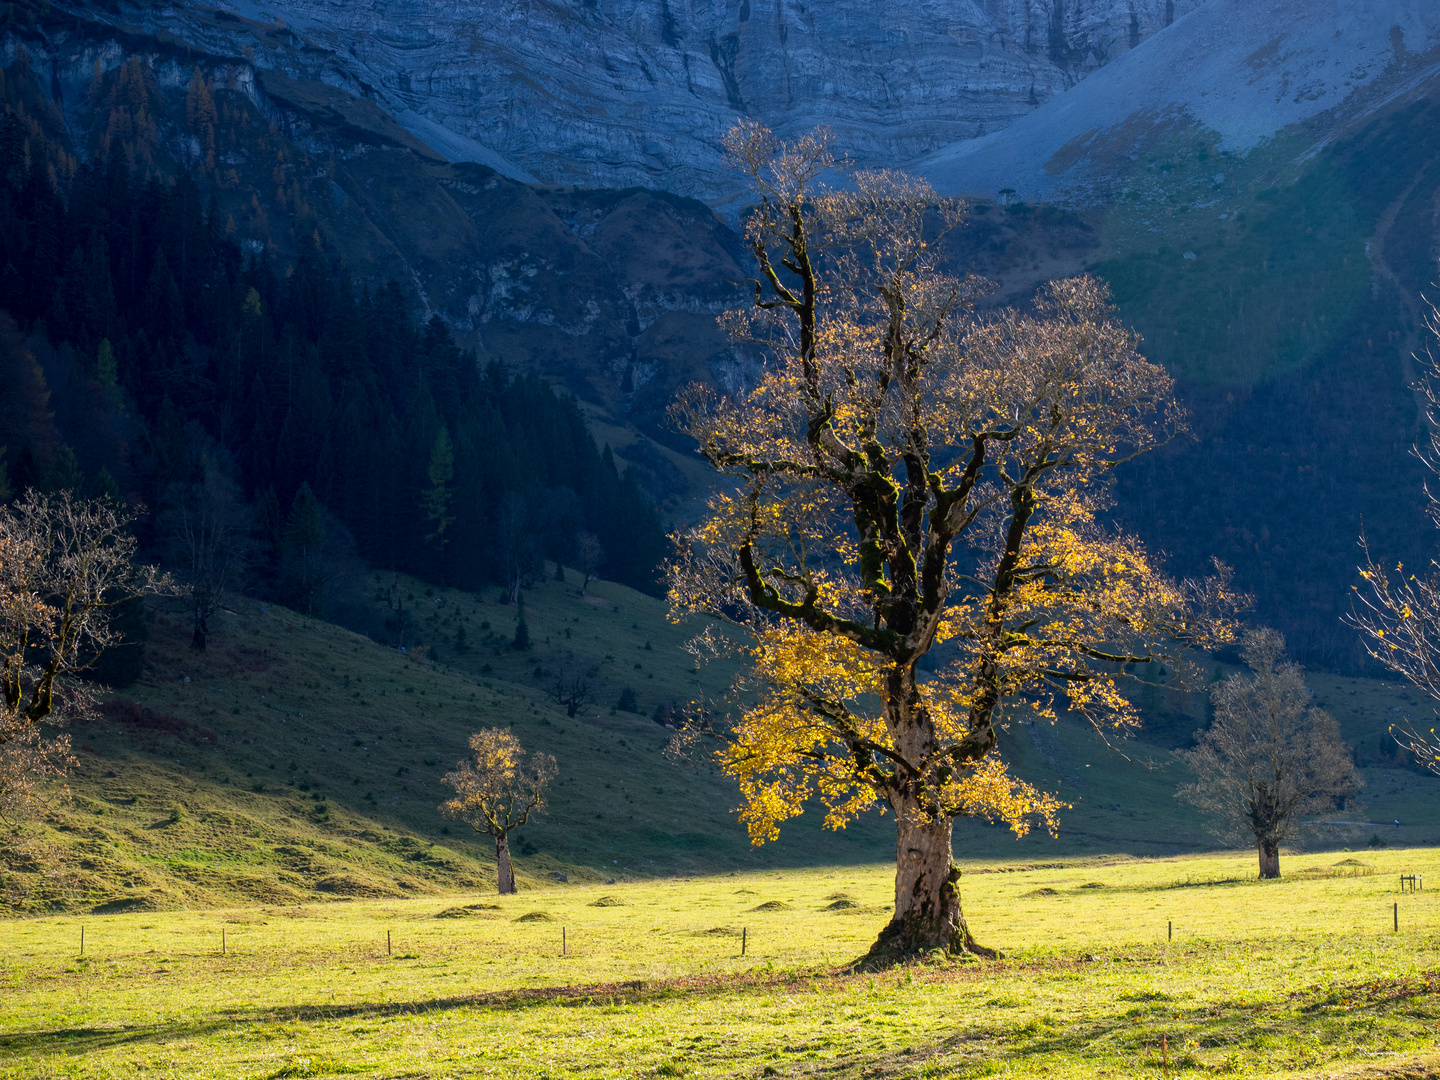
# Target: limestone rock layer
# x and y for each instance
(638, 92)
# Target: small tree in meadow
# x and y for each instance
(1269, 757)
(66, 566)
(590, 556)
(497, 792)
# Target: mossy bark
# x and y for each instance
(1269, 858)
(927, 915)
(504, 873)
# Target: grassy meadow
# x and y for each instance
(296, 761)
(280, 789)
(1301, 977)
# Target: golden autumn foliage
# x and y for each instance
(497, 791)
(782, 753)
(910, 480)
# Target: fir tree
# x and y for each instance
(435, 501)
(66, 475)
(303, 544)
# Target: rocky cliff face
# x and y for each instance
(638, 92)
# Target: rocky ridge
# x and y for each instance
(606, 93)
(1236, 73)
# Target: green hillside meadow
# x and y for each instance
(296, 761)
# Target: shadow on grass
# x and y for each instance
(1130, 1037)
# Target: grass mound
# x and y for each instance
(716, 931)
(841, 905)
(772, 905)
(469, 911)
(1094, 885)
(1349, 868)
(536, 916)
(607, 901)
(1044, 891)
(154, 900)
(355, 885)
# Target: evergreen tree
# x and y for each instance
(302, 545)
(302, 378)
(105, 487)
(66, 474)
(435, 501)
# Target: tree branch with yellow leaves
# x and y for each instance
(1398, 613)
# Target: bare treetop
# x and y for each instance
(1269, 757)
(1397, 611)
(65, 564)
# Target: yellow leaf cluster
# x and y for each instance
(495, 790)
(990, 792)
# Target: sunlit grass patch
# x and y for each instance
(1301, 977)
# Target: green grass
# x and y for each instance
(324, 771)
(1298, 977)
(307, 761)
(1238, 280)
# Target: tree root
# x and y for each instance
(897, 946)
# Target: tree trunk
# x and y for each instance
(504, 875)
(197, 639)
(1269, 858)
(927, 903)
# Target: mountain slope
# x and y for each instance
(1233, 72)
(297, 759)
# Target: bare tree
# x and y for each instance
(496, 792)
(571, 689)
(208, 531)
(590, 556)
(65, 565)
(1269, 757)
(1398, 616)
(517, 543)
(395, 600)
(29, 764)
